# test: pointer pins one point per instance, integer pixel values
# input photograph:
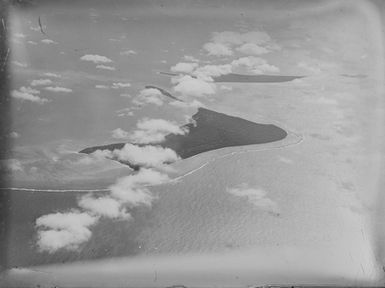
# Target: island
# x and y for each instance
(211, 130)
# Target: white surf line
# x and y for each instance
(174, 180)
(234, 153)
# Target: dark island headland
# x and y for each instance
(211, 130)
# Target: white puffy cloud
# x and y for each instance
(149, 96)
(104, 206)
(29, 90)
(252, 49)
(251, 43)
(28, 97)
(255, 65)
(118, 85)
(217, 49)
(131, 190)
(48, 41)
(183, 67)
(255, 196)
(97, 59)
(208, 71)
(146, 156)
(190, 86)
(105, 67)
(41, 82)
(64, 230)
(119, 133)
(58, 89)
(154, 130)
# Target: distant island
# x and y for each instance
(243, 78)
(211, 130)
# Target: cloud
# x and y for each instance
(316, 69)
(125, 112)
(255, 65)
(235, 38)
(19, 64)
(29, 90)
(105, 67)
(19, 35)
(187, 104)
(119, 85)
(18, 94)
(183, 67)
(255, 196)
(146, 156)
(190, 58)
(125, 95)
(119, 133)
(104, 206)
(14, 135)
(32, 42)
(217, 49)
(58, 89)
(48, 41)
(131, 189)
(64, 230)
(149, 96)
(97, 59)
(102, 87)
(253, 49)
(128, 53)
(41, 82)
(208, 71)
(190, 86)
(154, 130)
(251, 43)
(53, 75)
(12, 165)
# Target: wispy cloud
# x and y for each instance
(119, 85)
(128, 53)
(19, 64)
(53, 75)
(105, 67)
(58, 89)
(256, 196)
(41, 82)
(48, 41)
